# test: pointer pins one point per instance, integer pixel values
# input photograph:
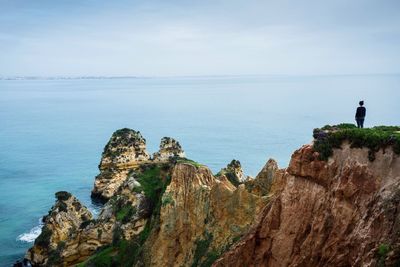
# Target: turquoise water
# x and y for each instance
(53, 131)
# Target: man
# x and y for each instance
(360, 115)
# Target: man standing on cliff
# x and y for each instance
(360, 115)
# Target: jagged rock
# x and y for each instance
(126, 148)
(261, 185)
(343, 211)
(169, 148)
(199, 217)
(125, 151)
(62, 222)
(71, 237)
(234, 173)
(339, 212)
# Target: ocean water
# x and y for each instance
(52, 132)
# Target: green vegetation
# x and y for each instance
(232, 178)
(103, 258)
(153, 185)
(125, 214)
(189, 161)
(383, 250)
(202, 246)
(230, 172)
(55, 255)
(62, 207)
(63, 195)
(128, 252)
(380, 137)
(340, 126)
(167, 199)
(204, 256)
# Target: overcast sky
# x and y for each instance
(174, 38)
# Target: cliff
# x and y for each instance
(328, 208)
(342, 211)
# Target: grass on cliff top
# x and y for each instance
(380, 137)
(186, 160)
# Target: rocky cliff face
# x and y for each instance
(169, 148)
(340, 212)
(234, 173)
(200, 217)
(171, 211)
(161, 211)
(59, 226)
(126, 150)
(262, 184)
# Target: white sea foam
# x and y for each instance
(30, 236)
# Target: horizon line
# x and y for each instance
(99, 77)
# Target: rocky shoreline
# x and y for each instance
(166, 210)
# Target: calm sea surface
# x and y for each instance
(52, 132)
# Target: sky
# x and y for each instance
(208, 37)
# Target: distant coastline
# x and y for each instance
(90, 77)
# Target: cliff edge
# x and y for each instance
(337, 204)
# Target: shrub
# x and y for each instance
(383, 250)
(62, 207)
(189, 161)
(202, 246)
(167, 199)
(128, 252)
(380, 137)
(117, 235)
(63, 195)
(104, 258)
(125, 214)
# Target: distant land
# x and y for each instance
(100, 77)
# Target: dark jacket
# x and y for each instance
(360, 112)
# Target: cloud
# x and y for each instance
(155, 38)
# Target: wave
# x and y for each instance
(30, 236)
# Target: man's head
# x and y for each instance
(361, 103)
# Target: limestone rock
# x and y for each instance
(125, 148)
(234, 173)
(125, 151)
(261, 185)
(340, 212)
(200, 216)
(59, 225)
(169, 148)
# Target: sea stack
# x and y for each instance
(125, 151)
(169, 148)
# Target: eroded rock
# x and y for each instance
(61, 224)
(169, 148)
(125, 151)
(261, 185)
(234, 173)
(327, 213)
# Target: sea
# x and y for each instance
(53, 131)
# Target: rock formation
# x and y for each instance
(63, 219)
(261, 185)
(340, 212)
(125, 151)
(169, 148)
(234, 173)
(201, 216)
(342, 209)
